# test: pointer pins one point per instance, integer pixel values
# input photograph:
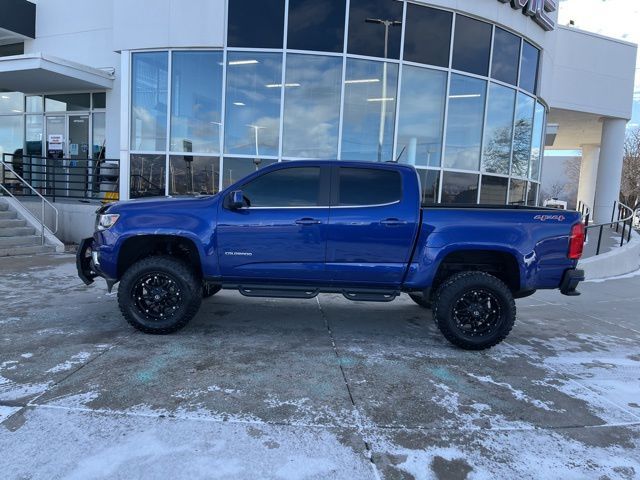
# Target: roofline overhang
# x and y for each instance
(38, 73)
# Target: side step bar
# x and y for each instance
(370, 295)
(356, 295)
(282, 292)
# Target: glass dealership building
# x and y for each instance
(458, 103)
(192, 95)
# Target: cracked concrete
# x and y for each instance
(263, 388)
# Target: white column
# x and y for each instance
(588, 174)
(125, 106)
(609, 167)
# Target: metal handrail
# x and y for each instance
(69, 178)
(43, 200)
(624, 220)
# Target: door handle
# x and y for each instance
(308, 221)
(391, 222)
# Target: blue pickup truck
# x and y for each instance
(296, 229)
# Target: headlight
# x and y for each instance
(107, 220)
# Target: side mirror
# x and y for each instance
(236, 200)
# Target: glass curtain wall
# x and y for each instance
(371, 80)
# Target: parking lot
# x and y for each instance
(327, 388)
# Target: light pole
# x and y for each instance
(255, 128)
(383, 107)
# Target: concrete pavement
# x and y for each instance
(261, 388)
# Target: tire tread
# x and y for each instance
(178, 268)
(443, 297)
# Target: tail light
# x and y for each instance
(576, 241)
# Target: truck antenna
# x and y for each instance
(399, 156)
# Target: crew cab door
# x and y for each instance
(372, 225)
(280, 234)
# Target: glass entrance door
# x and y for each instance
(56, 141)
(78, 153)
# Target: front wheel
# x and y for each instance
(159, 295)
(474, 310)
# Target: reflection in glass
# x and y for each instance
(99, 100)
(537, 145)
(369, 110)
(316, 25)
(292, 187)
(522, 138)
(506, 53)
(68, 102)
(459, 187)
(147, 175)
(499, 129)
(34, 133)
(11, 143)
(35, 104)
(367, 34)
(235, 169)
(464, 124)
(196, 101)
(529, 67)
(99, 136)
(517, 192)
(193, 175)
(427, 38)
(252, 122)
(149, 79)
(532, 194)
(494, 190)
(368, 186)
(421, 116)
(312, 106)
(11, 102)
(472, 46)
(430, 185)
(11, 134)
(256, 23)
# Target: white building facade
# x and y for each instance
(191, 95)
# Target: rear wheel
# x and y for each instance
(420, 300)
(159, 295)
(474, 310)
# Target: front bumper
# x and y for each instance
(88, 269)
(570, 281)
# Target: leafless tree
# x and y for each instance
(630, 186)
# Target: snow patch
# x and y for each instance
(77, 359)
(517, 394)
(6, 412)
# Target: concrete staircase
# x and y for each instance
(17, 237)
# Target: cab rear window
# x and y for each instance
(368, 186)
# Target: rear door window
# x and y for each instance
(361, 187)
(287, 187)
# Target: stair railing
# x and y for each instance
(43, 201)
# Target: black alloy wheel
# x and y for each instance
(474, 310)
(159, 294)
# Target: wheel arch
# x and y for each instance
(500, 262)
(138, 247)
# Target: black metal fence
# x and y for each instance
(61, 178)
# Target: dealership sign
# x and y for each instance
(538, 10)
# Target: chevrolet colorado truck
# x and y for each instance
(296, 229)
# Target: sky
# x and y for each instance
(613, 18)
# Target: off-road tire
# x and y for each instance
(420, 300)
(210, 289)
(181, 277)
(452, 291)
